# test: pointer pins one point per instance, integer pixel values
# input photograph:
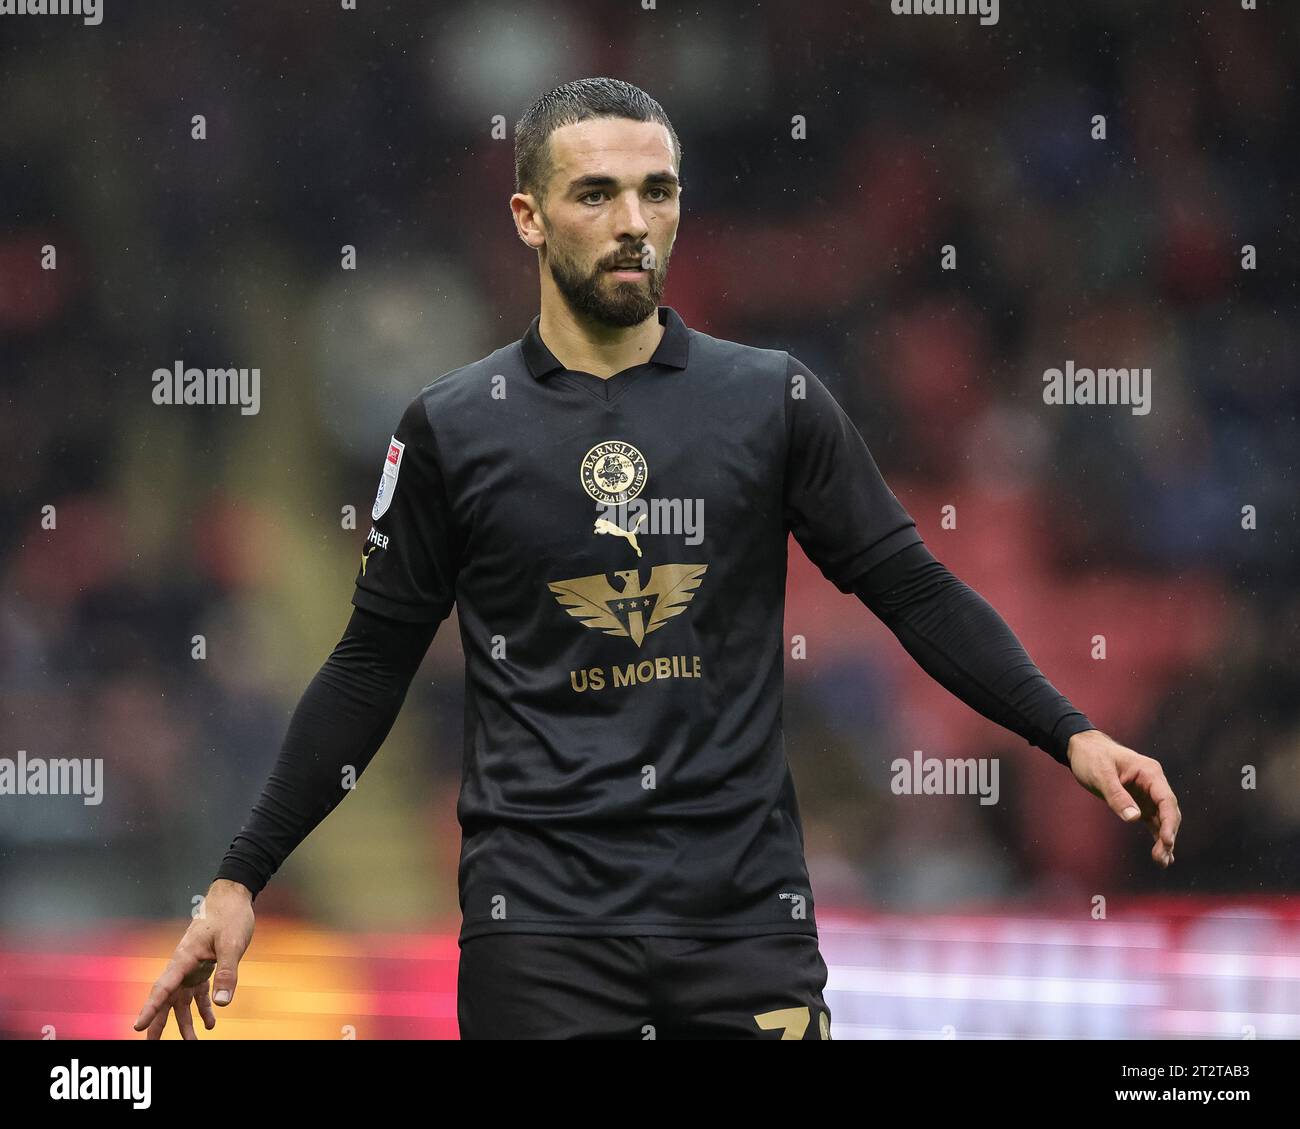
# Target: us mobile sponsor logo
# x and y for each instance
(91, 11)
(636, 610)
(181, 385)
(951, 776)
(59, 777)
(75, 1082)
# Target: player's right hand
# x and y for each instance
(216, 940)
(1133, 786)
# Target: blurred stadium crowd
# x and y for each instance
(374, 129)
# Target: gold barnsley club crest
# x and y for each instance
(635, 611)
(613, 472)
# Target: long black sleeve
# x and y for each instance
(343, 717)
(958, 639)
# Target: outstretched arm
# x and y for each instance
(958, 638)
(341, 720)
(966, 646)
(851, 525)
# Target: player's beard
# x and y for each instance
(595, 295)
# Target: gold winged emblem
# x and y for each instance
(635, 611)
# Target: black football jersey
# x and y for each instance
(616, 551)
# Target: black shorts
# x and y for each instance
(538, 986)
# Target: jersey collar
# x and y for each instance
(673, 350)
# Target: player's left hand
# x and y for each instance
(1133, 785)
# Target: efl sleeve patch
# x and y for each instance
(388, 479)
(411, 556)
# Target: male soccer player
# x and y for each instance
(608, 503)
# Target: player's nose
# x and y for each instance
(630, 222)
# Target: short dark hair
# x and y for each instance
(574, 102)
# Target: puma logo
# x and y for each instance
(604, 526)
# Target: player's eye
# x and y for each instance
(665, 194)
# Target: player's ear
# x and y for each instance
(527, 217)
